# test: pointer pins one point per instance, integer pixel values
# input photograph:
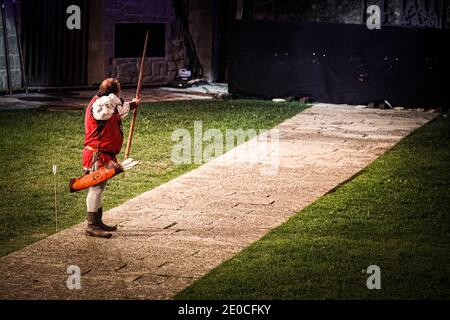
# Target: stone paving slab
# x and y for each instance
(77, 100)
(174, 234)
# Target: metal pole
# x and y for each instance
(5, 42)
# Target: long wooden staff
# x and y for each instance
(138, 95)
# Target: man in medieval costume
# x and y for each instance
(103, 141)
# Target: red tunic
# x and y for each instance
(106, 136)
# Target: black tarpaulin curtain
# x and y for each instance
(338, 63)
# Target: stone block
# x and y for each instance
(132, 7)
(16, 79)
(164, 70)
(12, 43)
(159, 68)
(14, 62)
(3, 81)
(133, 17)
(171, 67)
(148, 66)
(156, 8)
(10, 27)
(127, 70)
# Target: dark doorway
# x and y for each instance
(129, 39)
(53, 54)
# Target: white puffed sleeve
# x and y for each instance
(124, 109)
(104, 107)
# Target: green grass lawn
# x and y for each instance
(395, 214)
(31, 141)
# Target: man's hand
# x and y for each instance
(137, 100)
(135, 103)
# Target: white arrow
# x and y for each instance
(55, 170)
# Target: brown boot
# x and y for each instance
(103, 226)
(93, 228)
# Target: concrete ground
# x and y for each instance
(78, 99)
(172, 235)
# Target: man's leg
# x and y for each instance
(103, 226)
(93, 203)
(94, 197)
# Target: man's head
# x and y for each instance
(108, 86)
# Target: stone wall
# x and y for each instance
(333, 11)
(14, 58)
(349, 11)
(157, 70)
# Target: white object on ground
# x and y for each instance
(55, 170)
(387, 102)
(129, 164)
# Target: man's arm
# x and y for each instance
(126, 107)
